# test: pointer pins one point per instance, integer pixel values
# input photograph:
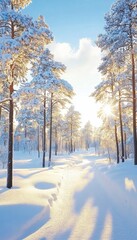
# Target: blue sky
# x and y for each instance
(70, 20)
(75, 25)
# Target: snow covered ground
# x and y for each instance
(80, 197)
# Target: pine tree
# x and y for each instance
(121, 34)
(72, 120)
(16, 49)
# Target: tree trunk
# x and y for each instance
(133, 86)
(50, 140)
(25, 132)
(134, 107)
(44, 132)
(66, 147)
(109, 157)
(121, 129)
(38, 143)
(11, 113)
(56, 141)
(71, 141)
(10, 143)
(116, 139)
(125, 143)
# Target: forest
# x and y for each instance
(61, 178)
(36, 110)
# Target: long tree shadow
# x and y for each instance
(32, 173)
(109, 200)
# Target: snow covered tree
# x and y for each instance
(87, 135)
(46, 79)
(17, 33)
(72, 121)
(60, 93)
(57, 128)
(121, 36)
(45, 91)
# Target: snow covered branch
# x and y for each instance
(5, 100)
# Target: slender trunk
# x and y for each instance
(50, 140)
(74, 147)
(109, 157)
(11, 113)
(10, 143)
(134, 107)
(125, 143)
(133, 88)
(56, 141)
(25, 132)
(38, 145)
(116, 139)
(121, 129)
(71, 141)
(66, 147)
(71, 146)
(44, 132)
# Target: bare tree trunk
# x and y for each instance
(133, 93)
(44, 131)
(25, 132)
(116, 139)
(38, 144)
(11, 113)
(134, 107)
(125, 143)
(56, 141)
(50, 140)
(71, 141)
(121, 129)
(109, 157)
(74, 147)
(10, 143)
(66, 147)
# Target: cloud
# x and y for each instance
(82, 72)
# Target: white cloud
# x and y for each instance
(82, 72)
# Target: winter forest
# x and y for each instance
(43, 144)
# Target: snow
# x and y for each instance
(82, 196)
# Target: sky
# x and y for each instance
(75, 25)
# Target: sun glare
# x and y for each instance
(107, 110)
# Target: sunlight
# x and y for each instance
(107, 110)
(88, 214)
(107, 231)
(129, 185)
(88, 109)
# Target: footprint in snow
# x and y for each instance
(54, 196)
(50, 202)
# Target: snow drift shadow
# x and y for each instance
(32, 173)
(3, 189)
(44, 185)
(30, 219)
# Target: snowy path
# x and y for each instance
(81, 198)
(91, 203)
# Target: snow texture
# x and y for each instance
(81, 196)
